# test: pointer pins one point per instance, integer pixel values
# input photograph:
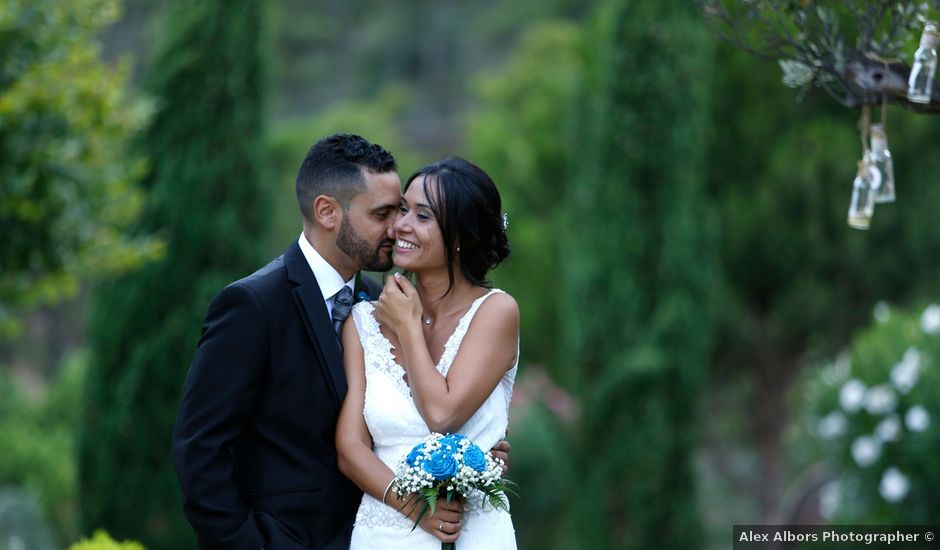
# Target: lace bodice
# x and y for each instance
(396, 425)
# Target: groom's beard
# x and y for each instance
(367, 256)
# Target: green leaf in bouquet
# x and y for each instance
(430, 496)
(425, 506)
(497, 501)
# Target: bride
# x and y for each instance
(437, 356)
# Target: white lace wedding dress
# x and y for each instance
(396, 427)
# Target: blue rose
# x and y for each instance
(363, 296)
(441, 465)
(452, 440)
(412, 458)
(474, 458)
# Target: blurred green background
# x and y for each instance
(705, 341)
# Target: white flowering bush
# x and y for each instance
(875, 413)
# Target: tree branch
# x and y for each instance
(870, 79)
(810, 34)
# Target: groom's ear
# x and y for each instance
(326, 212)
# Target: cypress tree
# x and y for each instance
(206, 201)
(637, 260)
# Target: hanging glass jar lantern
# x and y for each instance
(862, 204)
(881, 157)
(920, 82)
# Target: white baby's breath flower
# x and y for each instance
(917, 418)
(829, 497)
(888, 429)
(880, 400)
(894, 485)
(832, 425)
(882, 312)
(930, 319)
(852, 395)
(866, 450)
(904, 374)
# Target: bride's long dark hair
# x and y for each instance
(468, 209)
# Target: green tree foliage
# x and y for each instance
(66, 178)
(38, 436)
(101, 540)
(207, 201)
(638, 259)
(379, 120)
(522, 135)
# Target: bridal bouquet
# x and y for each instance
(447, 466)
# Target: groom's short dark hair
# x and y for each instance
(333, 167)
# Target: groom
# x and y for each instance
(254, 439)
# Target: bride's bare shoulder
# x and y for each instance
(500, 307)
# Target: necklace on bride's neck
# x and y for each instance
(465, 295)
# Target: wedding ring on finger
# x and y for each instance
(441, 528)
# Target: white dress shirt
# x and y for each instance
(328, 278)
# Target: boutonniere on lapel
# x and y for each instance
(362, 295)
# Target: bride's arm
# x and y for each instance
(487, 351)
(353, 441)
(361, 465)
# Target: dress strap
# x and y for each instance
(365, 322)
(453, 343)
(377, 349)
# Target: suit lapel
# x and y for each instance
(370, 287)
(312, 308)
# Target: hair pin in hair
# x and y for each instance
(505, 221)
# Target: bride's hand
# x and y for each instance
(501, 451)
(446, 521)
(444, 524)
(398, 305)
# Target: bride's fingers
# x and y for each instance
(395, 291)
(454, 506)
(449, 516)
(450, 527)
(405, 285)
(391, 285)
(447, 532)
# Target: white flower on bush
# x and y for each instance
(888, 429)
(930, 320)
(904, 374)
(866, 450)
(894, 485)
(852, 395)
(838, 370)
(880, 400)
(829, 497)
(832, 425)
(882, 312)
(917, 418)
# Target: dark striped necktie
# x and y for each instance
(342, 304)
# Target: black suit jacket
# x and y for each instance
(254, 439)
